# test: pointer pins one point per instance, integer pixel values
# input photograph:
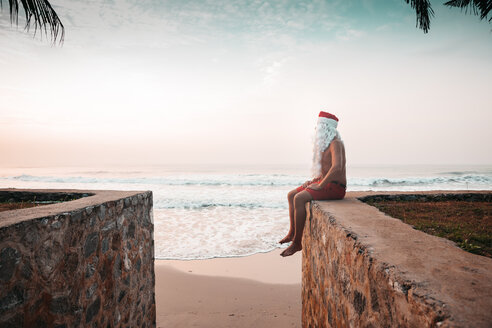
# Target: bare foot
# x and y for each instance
(292, 249)
(286, 239)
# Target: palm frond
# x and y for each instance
(41, 15)
(424, 12)
(482, 7)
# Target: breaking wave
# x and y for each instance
(474, 179)
(193, 180)
(276, 180)
(233, 214)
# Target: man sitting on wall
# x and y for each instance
(329, 179)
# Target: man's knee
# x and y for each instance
(300, 200)
(291, 195)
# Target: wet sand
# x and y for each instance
(262, 290)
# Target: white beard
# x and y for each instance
(326, 131)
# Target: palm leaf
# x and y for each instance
(39, 14)
(481, 7)
(424, 13)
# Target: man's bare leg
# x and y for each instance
(290, 235)
(300, 201)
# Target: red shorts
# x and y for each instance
(330, 191)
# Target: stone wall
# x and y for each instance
(362, 268)
(14, 195)
(86, 262)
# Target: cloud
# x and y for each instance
(271, 67)
(165, 23)
(350, 34)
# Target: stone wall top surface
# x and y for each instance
(433, 267)
(95, 197)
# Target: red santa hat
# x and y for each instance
(328, 116)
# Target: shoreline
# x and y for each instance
(261, 290)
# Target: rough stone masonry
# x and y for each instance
(362, 268)
(88, 262)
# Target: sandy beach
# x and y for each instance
(262, 290)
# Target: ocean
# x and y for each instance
(203, 212)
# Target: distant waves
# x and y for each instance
(191, 180)
(201, 215)
(445, 180)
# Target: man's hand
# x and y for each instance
(306, 184)
(314, 186)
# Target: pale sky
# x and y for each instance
(241, 82)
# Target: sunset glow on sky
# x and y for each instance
(150, 82)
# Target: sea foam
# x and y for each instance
(201, 215)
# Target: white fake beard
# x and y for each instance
(326, 131)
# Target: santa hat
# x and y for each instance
(328, 116)
(331, 119)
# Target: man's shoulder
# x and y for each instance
(335, 145)
(337, 141)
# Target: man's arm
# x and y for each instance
(336, 162)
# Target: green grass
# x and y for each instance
(468, 224)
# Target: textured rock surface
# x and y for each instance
(87, 262)
(362, 268)
(13, 195)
